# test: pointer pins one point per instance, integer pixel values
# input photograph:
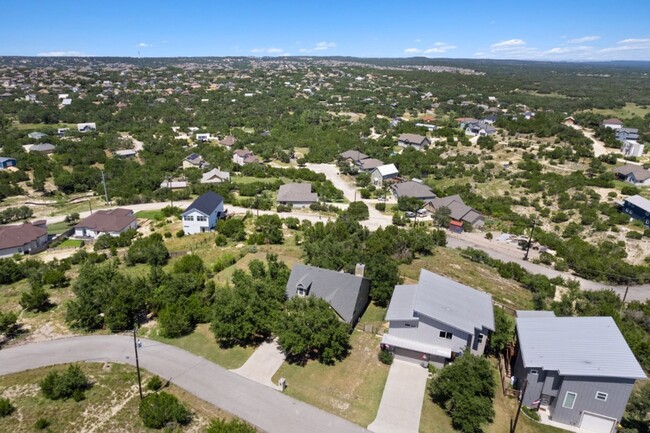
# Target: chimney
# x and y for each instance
(359, 269)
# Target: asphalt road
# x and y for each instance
(259, 405)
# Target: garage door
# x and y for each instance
(408, 355)
(596, 423)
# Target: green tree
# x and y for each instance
(71, 383)
(442, 216)
(637, 412)
(175, 321)
(35, 299)
(504, 331)
(151, 250)
(157, 410)
(232, 228)
(309, 328)
(232, 426)
(7, 322)
(268, 230)
(465, 390)
(6, 408)
(356, 211)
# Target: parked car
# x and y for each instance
(410, 214)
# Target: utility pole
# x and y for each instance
(90, 206)
(627, 287)
(105, 190)
(530, 238)
(171, 192)
(137, 362)
(513, 426)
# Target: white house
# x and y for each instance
(215, 176)
(85, 127)
(612, 123)
(383, 173)
(632, 148)
(106, 222)
(22, 239)
(202, 215)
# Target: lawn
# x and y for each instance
(451, 264)
(351, 388)
(71, 243)
(150, 215)
(202, 343)
(111, 404)
(629, 110)
(57, 228)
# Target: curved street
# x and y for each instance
(259, 405)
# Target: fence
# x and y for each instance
(504, 374)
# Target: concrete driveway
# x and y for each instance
(262, 364)
(401, 403)
(261, 406)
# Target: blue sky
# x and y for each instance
(537, 30)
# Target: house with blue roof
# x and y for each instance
(6, 162)
(204, 212)
(436, 320)
(578, 371)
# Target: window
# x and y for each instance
(409, 325)
(480, 338)
(446, 335)
(188, 218)
(569, 400)
(533, 371)
(602, 396)
(201, 218)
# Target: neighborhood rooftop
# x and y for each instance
(108, 220)
(577, 346)
(206, 203)
(18, 235)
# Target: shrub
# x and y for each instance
(233, 426)
(531, 413)
(292, 223)
(381, 207)
(386, 357)
(71, 383)
(283, 208)
(220, 240)
(6, 408)
(41, 424)
(634, 235)
(180, 233)
(489, 236)
(167, 235)
(154, 384)
(157, 410)
(223, 262)
(630, 190)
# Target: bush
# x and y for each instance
(233, 426)
(630, 190)
(381, 207)
(157, 410)
(167, 235)
(634, 235)
(223, 262)
(386, 357)
(283, 208)
(6, 408)
(154, 384)
(41, 424)
(220, 240)
(489, 236)
(531, 413)
(71, 383)
(180, 233)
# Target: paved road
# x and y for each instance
(401, 402)
(638, 293)
(261, 406)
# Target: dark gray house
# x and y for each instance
(347, 294)
(413, 189)
(633, 173)
(437, 319)
(413, 140)
(297, 194)
(579, 370)
(638, 208)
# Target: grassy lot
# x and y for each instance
(435, 420)
(42, 127)
(150, 215)
(202, 343)
(251, 179)
(450, 264)
(71, 243)
(111, 404)
(351, 388)
(629, 110)
(56, 228)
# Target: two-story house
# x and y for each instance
(202, 215)
(579, 371)
(638, 208)
(437, 319)
(243, 157)
(383, 173)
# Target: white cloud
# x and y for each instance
(271, 51)
(508, 45)
(438, 47)
(320, 46)
(574, 50)
(62, 54)
(583, 39)
(143, 45)
(634, 41)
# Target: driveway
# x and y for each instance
(261, 406)
(401, 403)
(262, 364)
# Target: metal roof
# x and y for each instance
(577, 346)
(444, 300)
(205, 203)
(534, 313)
(387, 170)
(640, 202)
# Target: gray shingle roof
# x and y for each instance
(577, 346)
(413, 189)
(370, 163)
(205, 203)
(640, 173)
(297, 192)
(414, 139)
(340, 290)
(43, 147)
(444, 300)
(354, 155)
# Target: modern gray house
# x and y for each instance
(578, 370)
(436, 320)
(347, 294)
(297, 194)
(413, 189)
